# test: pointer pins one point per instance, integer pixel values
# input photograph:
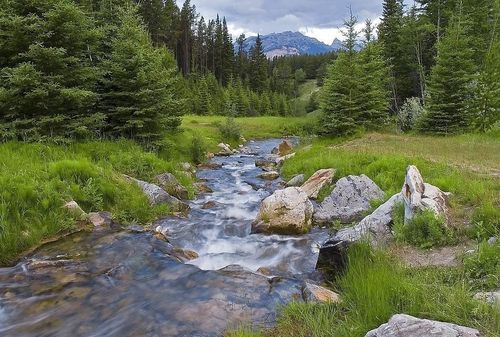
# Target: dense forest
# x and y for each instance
(122, 68)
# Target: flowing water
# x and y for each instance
(116, 282)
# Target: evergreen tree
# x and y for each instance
(341, 90)
(258, 67)
(450, 85)
(48, 79)
(228, 54)
(140, 85)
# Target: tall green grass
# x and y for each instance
(374, 288)
(37, 179)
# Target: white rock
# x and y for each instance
(408, 326)
(287, 211)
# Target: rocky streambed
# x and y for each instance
(211, 274)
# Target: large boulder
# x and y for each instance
(374, 226)
(349, 200)
(287, 211)
(408, 326)
(419, 195)
(157, 196)
(317, 181)
(169, 183)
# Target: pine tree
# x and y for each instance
(228, 54)
(140, 85)
(374, 102)
(341, 90)
(450, 85)
(258, 67)
(48, 80)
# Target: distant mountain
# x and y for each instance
(291, 43)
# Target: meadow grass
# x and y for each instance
(37, 179)
(375, 287)
(475, 196)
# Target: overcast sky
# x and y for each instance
(317, 18)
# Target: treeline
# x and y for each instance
(68, 74)
(122, 68)
(434, 67)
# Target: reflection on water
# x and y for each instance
(116, 283)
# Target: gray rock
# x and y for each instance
(315, 293)
(99, 219)
(375, 226)
(186, 167)
(271, 175)
(348, 201)
(317, 181)
(283, 149)
(491, 297)
(75, 210)
(135, 228)
(281, 160)
(287, 211)
(158, 196)
(171, 185)
(296, 181)
(492, 240)
(408, 326)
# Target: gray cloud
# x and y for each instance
(260, 16)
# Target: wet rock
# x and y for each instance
(317, 181)
(265, 271)
(375, 226)
(75, 210)
(158, 196)
(491, 297)
(185, 254)
(271, 175)
(135, 228)
(267, 164)
(284, 148)
(202, 187)
(287, 211)
(408, 326)
(315, 293)
(281, 160)
(209, 205)
(349, 200)
(99, 219)
(210, 166)
(419, 196)
(169, 183)
(296, 181)
(332, 258)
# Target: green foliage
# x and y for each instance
(230, 130)
(36, 180)
(450, 85)
(483, 266)
(139, 88)
(425, 230)
(197, 150)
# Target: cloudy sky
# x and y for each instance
(317, 18)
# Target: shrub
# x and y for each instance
(197, 150)
(425, 230)
(230, 130)
(483, 266)
(409, 114)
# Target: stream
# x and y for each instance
(119, 282)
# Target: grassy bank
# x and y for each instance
(377, 284)
(37, 179)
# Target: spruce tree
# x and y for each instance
(450, 85)
(140, 85)
(258, 67)
(341, 90)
